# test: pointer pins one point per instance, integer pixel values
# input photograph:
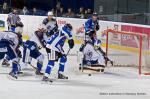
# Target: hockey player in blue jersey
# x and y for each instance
(32, 46)
(55, 51)
(91, 27)
(9, 45)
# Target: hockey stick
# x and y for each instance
(88, 68)
(33, 66)
(68, 52)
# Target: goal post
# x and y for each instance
(129, 49)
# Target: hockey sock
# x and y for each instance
(14, 67)
(39, 66)
(63, 60)
(49, 67)
(61, 67)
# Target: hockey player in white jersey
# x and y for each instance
(55, 51)
(9, 44)
(50, 23)
(93, 53)
(32, 46)
(19, 26)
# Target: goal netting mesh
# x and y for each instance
(129, 49)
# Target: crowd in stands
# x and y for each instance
(58, 11)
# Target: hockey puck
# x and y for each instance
(89, 74)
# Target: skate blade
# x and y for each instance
(6, 66)
(11, 78)
(47, 82)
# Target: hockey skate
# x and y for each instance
(13, 75)
(19, 70)
(46, 79)
(61, 76)
(112, 63)
(5, 63)
(39, 72)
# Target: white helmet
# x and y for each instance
(50, 13)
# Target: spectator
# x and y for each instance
(60, 13)
(24, 11)
(89, 11)
(86, 14)
(34, 11)
(69, 14)
(81, 13)
(5, 9)
(58, 6)
(53, 11)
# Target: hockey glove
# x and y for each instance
(71, 43)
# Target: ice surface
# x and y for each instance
(78, 86)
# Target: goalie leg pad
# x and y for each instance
(101, 60)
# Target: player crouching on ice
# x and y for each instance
(32, 46)
(93, 53)
(19, 26)
(55, 51)
(9, 45)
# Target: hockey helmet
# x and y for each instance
(50, 13)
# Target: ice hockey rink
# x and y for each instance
(114, 83)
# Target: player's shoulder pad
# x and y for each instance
(45, 21)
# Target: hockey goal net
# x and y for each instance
(129, 49)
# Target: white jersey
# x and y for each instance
(50, 25)
(92, 55)
(11, 37)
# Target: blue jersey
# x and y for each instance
(56, 41)
(90, 25)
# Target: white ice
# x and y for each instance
(78, 86)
